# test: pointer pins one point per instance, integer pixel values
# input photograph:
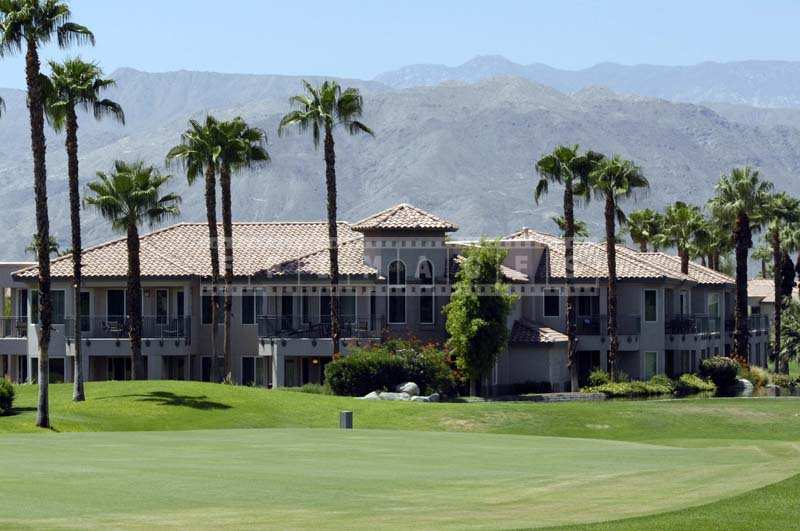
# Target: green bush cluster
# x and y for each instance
(383, 367)
(6, 397)
(689, 384)
(756, 375)
(720, 370)
(598, 377)
(781, 380)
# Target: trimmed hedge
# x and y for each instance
(720, 370)
(689, 384)
(383, 367)
(6, 397)
(656, 386)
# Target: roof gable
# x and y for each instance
(404, 217)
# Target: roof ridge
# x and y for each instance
(707, 270)
(632, 256)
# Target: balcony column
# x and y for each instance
(278, 366)
(187, 313)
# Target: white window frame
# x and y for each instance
(644, 305)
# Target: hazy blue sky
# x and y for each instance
(361, 39)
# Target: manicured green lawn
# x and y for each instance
(656, 464)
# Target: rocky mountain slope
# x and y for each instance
(464, 151)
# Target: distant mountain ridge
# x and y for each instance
(464, 151)
(756, 83)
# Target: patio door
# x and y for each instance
(291, 373)
(115, 305)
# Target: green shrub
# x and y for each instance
(662, 379)
(383, 367)
(757, 376)
(630, 389)
(598, 377)
(6, 397)
(689, 384)
(781, 380)
(720, 370)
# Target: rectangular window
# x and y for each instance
(22, 303)
(552, 305)
(115, 303)
(85, 311)
(205, 309)
(248, 370)
(325, 309)
(162, 306)
(397, 305)
(59, 306)
(713, 305)
(305, 302)
(683, 302)
(287, 309)
(650, 306)
(650, 364)
(426, 304)
(248, 307)
(585, 306)
(347, 308)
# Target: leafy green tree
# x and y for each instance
(644, 227)
(240, 146)
(31, 24)
(741, 203)
(565, 167)
(681, 224)
(129, 196)
(322, 109)
(199, 154)
(613, 180)
(783, 210)
(76, 84)
(478, 311)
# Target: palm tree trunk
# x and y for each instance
(333, 243)
(777, 260)
(684, 261)
(611, 255)
(569, 253)
(227, 232)
(643, 246)
(38, 148)
(134, 302)
(71, 144)
(213, 250)
(741, 333)
(763, 268)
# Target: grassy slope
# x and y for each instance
(688, 437)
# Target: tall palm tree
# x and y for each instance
(33, 23)
(560, 167)
(763, 253)
(791, 243)
(681, 224)
(581, 228)
(198, 154)
(613, 180)
(783, 210)
(240, 146)
(76, 84)
(644, 227)
(322, 109)
(128, 196)
(740, 203)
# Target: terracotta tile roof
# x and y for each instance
(764, 289)
(699, 273)
(527, 332)
(509, 274)
(182, 251)
(318, 263)
(404, 217)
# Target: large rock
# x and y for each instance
(395, 396)
(434, 397)
(374, 395)
(408, 387)
(772, 390)
(744, 387)
(420, 399)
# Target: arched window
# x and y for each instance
(397, 273)
(426, 292)
(425, 272)
(397, 292)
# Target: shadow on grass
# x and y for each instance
(18, 411)
(166, 398)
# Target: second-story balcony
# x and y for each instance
(684, 324)
(597, 325)
(118, 327)
(13, 327)
(755, 323)
(351, 326)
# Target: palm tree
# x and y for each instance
(52, 246)
(741, 203)
(127, 197)
(782, 211)
(791, 243)
(644, 227)
(322, 109)
(581, 228)
(198, 153)
(763, 253)
(240, 146)
(72, 84)
(34, 23)
(559, 167)
(613, 180)
(681, 224)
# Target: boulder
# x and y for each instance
(772, 390)
(434, 397)
(374, 395)
(744, 387)
(408, 387)
(420, 399)
(395, 396)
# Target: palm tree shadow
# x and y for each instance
(166, 398)
(18, 411)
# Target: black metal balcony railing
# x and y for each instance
(13, 327)
(692, 324)
(350, 326)
(118, 327)
(755, 323)
(595, 325)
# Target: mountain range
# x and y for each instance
(463, 148)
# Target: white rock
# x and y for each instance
(408, 387)
(395, 396)
(420, 399)
(434, 397)
(744, 387)
(372, 396)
